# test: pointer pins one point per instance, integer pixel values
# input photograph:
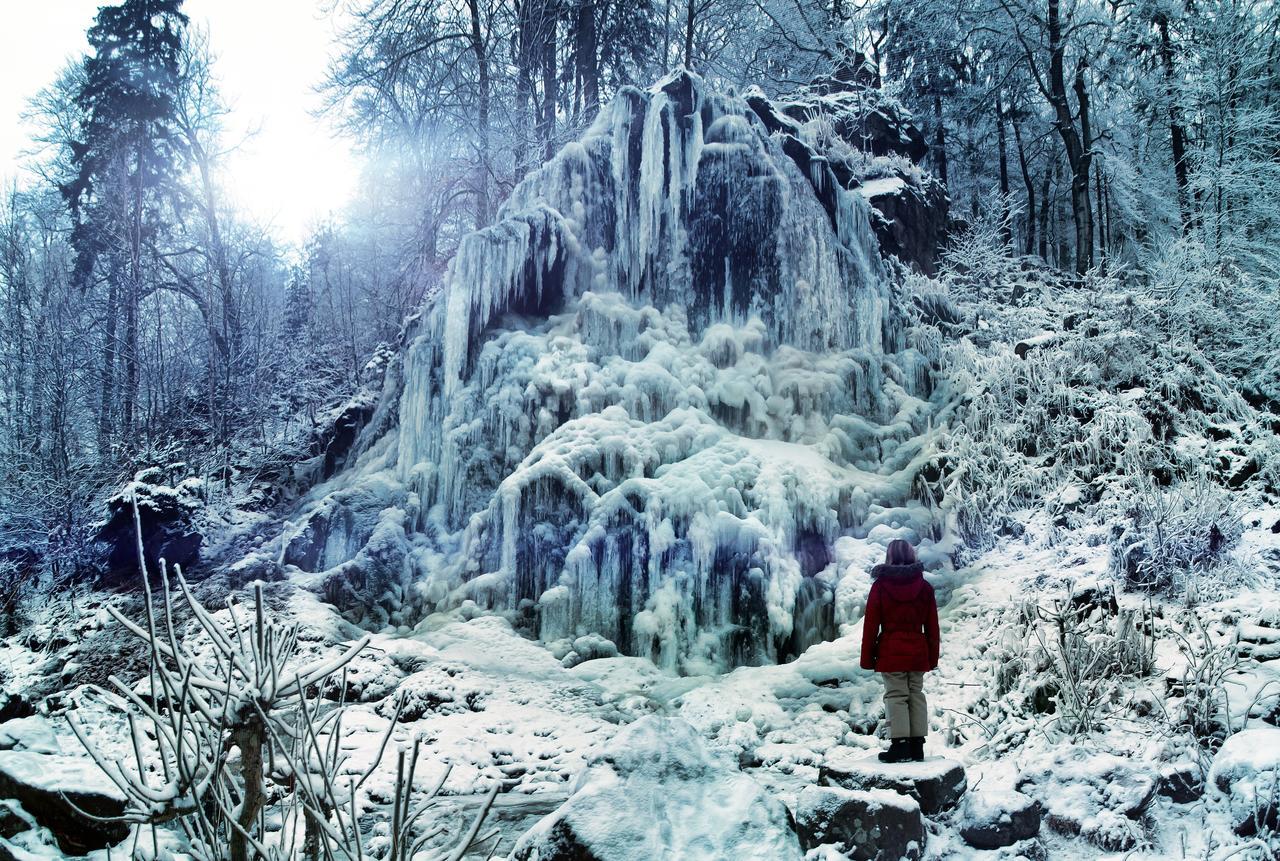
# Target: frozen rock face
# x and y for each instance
(650, 398)
(657, 792)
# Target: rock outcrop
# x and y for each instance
(994, 819)
(1094, 795)
(1246, 772)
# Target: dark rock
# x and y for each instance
(863, 116)
(1247, 771)
(166, 515)
(58, 791)
(14, 705)
(909, 219)
(870, 825)
(656, 791)
(337, 442)
(937, 784)
(1182, 782)
(13, 819)
(995, 819)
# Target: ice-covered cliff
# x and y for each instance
(649, 401)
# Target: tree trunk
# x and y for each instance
(1102, 220)
(133, 290)
(1077, 143)
(526, 36)
(1027, 182)
(1177, 135)
(483, 166)
(688, 34)
(550, 83)
(1006, 225)
(249, 739)
(1045, 206)
(588, 68)
(939, 138)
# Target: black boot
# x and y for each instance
(899, 751)
(917, 748)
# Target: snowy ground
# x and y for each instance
(501, 708)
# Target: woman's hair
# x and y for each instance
(899, 552)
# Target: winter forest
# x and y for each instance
(705, 430)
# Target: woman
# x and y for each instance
(900, 641)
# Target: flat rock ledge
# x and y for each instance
(937, 784)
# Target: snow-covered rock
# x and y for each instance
(1181, 782)
(55, 788)
(865, 825)
(937, 783)
(166, 517)
(1098, 796)
(1247, 772)
(656, 792)
(991, 819)
(33, 733)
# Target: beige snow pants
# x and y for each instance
(905, 705)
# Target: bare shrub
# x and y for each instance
(1173, 538)
(237, 687)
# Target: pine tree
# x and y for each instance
(121, 168)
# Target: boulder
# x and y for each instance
(868, 825)
(58, 791)
(655, 791)
(33, 733)
(1094, 795)
(993, 819)
(937, 783)
(167, 517)
(1247, 772)
(1182, 782)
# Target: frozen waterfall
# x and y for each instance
(654, 394)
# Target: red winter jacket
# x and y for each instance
(900, 631)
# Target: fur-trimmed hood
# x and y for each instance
(902, 582)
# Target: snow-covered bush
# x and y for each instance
(1201, 697)
(237, 683)
(980, 261)
(1069, 657)
(1177, 540)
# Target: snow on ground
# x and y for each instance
(500, 708)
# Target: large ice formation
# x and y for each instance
(647, 401)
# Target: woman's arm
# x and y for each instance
(871, 628)
(931, 628)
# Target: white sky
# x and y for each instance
(269, 55)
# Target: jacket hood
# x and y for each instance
(902, 582)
